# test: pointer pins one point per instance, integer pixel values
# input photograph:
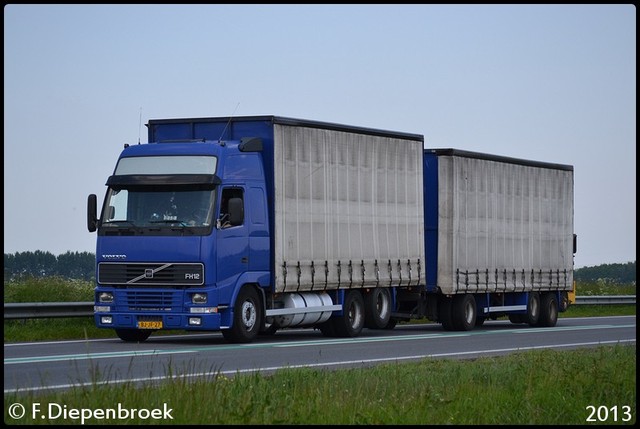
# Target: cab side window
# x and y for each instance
(231, 208)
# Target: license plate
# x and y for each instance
(149, 325)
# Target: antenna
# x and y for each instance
(228, 122)
(140, 125)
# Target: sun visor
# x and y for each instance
(163, 179)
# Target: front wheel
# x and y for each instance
(133, 335)
(247, 317)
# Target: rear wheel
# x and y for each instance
(533, 309)
(377, 308)
(351, 322)
(548, 310)
(463, 312)
(133, 335)
(247, 317)
(444, 313)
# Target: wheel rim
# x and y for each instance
(355, 316)
(469, 313)
(382, 305)
(553, 311)
(249, 314)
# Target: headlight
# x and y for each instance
(199, 298)
(105, 297)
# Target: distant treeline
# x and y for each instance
(70, 265)
(81, 265)
(613, 273)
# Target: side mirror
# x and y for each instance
(92, 207)
(236, 211)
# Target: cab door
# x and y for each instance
(233, 235)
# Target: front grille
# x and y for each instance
(150, 274)
(150, 301)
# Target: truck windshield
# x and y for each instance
(158, 207)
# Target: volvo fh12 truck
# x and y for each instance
(248, 225)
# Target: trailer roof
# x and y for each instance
(294, 122)
(499, 158)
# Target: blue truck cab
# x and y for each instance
(184, 221)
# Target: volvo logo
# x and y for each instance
(114, 256)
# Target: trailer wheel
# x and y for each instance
(444, 313)
(351, 322)
(463, 312)
(533, 309)
(548, 310)
(133, 335)
(247, 317)
(377, 308)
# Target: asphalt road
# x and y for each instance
(42, 366)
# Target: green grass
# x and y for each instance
(48, 289)
(538, 387)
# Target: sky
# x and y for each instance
(554, 83)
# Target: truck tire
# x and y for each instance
(463, 312)
(351, 322)
(548, 310)
(133, 335)
(444, 313)
(377, 308)
(533, 309)
(247, 317)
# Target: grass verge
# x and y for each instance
(541, 387)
